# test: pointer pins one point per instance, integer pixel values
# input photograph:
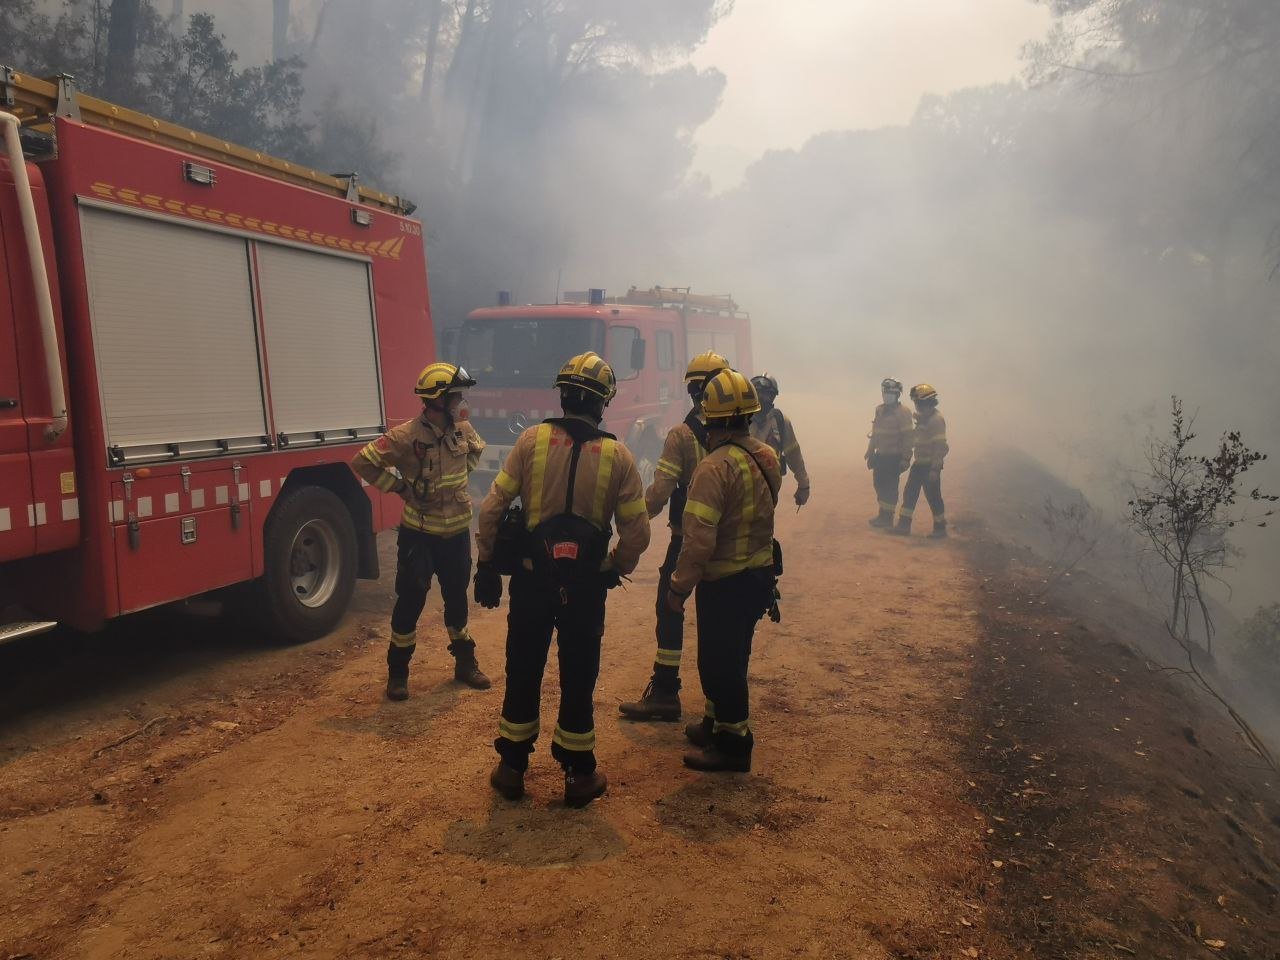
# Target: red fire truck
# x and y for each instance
(195, 338)
(648, 337)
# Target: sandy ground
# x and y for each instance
(273, 804)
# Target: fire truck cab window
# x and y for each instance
(511, 352)
(666, 349)
(725, 344)
(621, 351)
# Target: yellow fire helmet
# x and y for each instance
(923, 392)
(729, 394)
(591, 373)
(441, 378)
(704, 366)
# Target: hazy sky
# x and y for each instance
(798, 67)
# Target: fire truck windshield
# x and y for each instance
(524, 352)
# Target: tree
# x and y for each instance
(122, 48)
(280, 10)
(1260, 641)
(1184, 507)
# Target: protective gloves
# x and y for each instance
(675, 602)
(488, 586)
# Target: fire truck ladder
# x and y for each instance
(679, 298)
(37, 102)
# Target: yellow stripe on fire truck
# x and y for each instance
(389, 249)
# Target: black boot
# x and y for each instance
(398, 671)
(508, 781)
(939, 530)
(903, 529)
(581, 788)
(882, 519)
(714, 760)
(466, 669)
(699, 734)
(656, 703)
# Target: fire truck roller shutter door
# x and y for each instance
(173, 327)
(317, 318)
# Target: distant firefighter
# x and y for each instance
(889, 449)
(773, 427)
(930, 445)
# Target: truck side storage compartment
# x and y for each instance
(179, 535)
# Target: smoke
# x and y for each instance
(1058, 254)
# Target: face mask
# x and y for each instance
(890, 398)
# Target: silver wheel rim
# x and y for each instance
(313, 563)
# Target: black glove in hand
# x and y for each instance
(488, 586)
(611, 577)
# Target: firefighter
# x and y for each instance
(774, 427)
(930, 444)
(889, 449)
(685, 446)
(426, 462)
(729, 557)
(572, 479)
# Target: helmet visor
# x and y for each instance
(461, 380)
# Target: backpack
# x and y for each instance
(566, 549)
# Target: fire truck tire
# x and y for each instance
(309, 555)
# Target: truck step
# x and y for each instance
(24, 628)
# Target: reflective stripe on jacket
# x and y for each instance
(681, 453)
(775, 429)
(607, 488)
(931, 439)
(728, 519)
(432, 463)
(891, 431)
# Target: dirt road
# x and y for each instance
(271, 803)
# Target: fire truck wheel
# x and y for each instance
(309, 548)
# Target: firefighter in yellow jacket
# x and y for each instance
(426, 462)
(728, 557)
(774, 427)
(572, 479)
(889, 449)
(684, 449)
(930, 448)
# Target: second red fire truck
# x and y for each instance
(648, 336)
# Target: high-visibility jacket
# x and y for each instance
(891, 431)
(775, 429)
(607, 487)
(930, 439)
(728, 519)
(431, 465)
(681, 453)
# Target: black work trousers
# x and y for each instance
(728, 611)
(419, 557)
(670, 625)
(537, 608)
(886, 469)
(920, 477)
